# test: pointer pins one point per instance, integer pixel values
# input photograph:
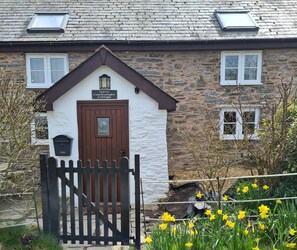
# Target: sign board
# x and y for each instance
(104, 94)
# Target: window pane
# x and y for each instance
(37, 63)
(248, 116)
(48, 21)
(41, 128)
(250, 74)
(37, 77)
(231, 61)
(103, 126)
(229, 116)
(251, 61)
(57, 69)
(231, 74)
(248, 122)
(229, 129)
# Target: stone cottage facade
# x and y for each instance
(200, 54)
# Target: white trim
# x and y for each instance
(240, 79)
(46, 57)
(238, 135)
(34, 140)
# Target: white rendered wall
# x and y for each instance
(147, 128)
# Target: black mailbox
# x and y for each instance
(62, 145)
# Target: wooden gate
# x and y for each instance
(70, 213)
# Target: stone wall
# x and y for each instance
(193, 79)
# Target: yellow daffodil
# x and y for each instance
(207, 212)
(192, 232)
(196, 231)
(263, 209)
(173, 230)
(238, 189)
(163, 226)
(167, 217)
(191, 225)
(241, 215)
(225, 217)
(199, 195)
(220, 211)
(230, 224)
(212, 217)
(265, 187)
(255, 248)
(254, 185)
(292, 232)
(246, 232)
(291, 245)
(261, 226)
(245, 189)
(148, 240)
(278, 202)
(189, 244)
(225, 197)
(263, 215)
(257, 240)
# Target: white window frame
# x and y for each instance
(239, 124)
(46, 57)
(34, 139)
(240, 79)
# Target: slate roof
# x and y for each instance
(146, 20)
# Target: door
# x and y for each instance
(103, 131)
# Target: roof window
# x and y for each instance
(235, 19)
(48, 21)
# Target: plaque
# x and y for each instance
(104, 94)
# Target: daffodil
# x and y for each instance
(230, 224)
(257, 240)
(225, 217)
(191, 225)
(163, 226)
(261, 226)
(241, 215)
(254, 185)
(291, 245)
(173, 230)
(238, 189)
(167, 217)
(199, 195)
(192, 232)
(263, 215)
(207, 212)
(189, 244)
(292, 232)
(225, 197)
(278, 201)
(265, 187)
(148, 240)
(220, 211)
(256, 248)
(245, 189)
(246, 232)
(263, 209)
(212, 217)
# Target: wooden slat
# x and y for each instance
(64, 203)
(97, 200)
(89, 200)
(71, 196)
(80, 202)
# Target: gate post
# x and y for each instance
(44, 192)
(137, 201)
(125, 200)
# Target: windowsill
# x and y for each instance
(241, 84)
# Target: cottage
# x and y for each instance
(122, 77)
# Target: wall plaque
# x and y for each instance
(104, 94)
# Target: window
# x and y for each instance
(235, 19)
(48, 21)
(43, 70)
(39, 130)
(241, 68)
(239, 124)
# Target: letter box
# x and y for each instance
(62, 145)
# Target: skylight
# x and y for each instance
(235, 19)
(48, 21)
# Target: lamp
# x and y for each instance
(104, 81)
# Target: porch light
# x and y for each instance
(104, 82)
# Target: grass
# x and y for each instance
(24, 238)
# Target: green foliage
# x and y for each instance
(23, 238)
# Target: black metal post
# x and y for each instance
(44, 191)
(137, 201)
